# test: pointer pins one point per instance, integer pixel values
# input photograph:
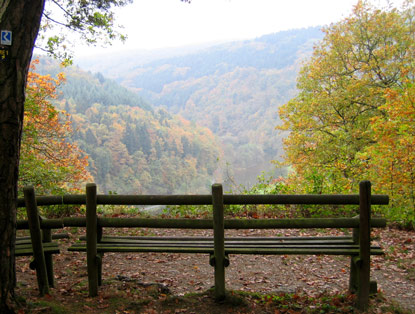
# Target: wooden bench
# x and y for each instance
(357, 246)
(39, 244)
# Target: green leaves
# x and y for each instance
(48, 160)
(92, 20)
(352, 119)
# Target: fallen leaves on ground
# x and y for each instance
(160, 283)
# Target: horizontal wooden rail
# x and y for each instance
(56, 200)
(156, 223)
(206, 223)
(238, 223)
(306, 199)
(154, 199)
(229, 223)
(44, 224)
(299, 223)
(74, 221)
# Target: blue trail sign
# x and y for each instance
(6, 38)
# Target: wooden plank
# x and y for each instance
(108, 238)
(207, 245)
(46, 245)
(91, 234)
(47, 238)
(207, 199)
(155, 223)
(74, 221)
(219, 241)
(293, 223)
(226, 239)
(239, 244)
(255, 251)
(44, 224)
(363, 290)
(350, 250)
(227, 242)
(55, 236)
(298, 251)
(106, 249)
(29, 252)
(36, 237)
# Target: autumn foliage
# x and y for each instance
(48, 160)
(353, 118)
(394, 150)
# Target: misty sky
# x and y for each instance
(151, 24)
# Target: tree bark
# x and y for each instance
(22, 18)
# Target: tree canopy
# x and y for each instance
(352, 118)
(92, 20)
(48, 161)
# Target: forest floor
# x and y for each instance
(180, 283)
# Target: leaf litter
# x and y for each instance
(181, 283)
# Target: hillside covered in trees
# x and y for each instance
(350, 116)
(234, 89)
(132, 148)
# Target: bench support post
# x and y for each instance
(91, 238)
(100, 256)
(363, 267)
(353, 279)
(47, 238)
(36, 238)
(219, 241)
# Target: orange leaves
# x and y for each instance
(48, 160)
(393, 154)
(354, 116)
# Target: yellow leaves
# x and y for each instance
(393, 155)
(46, 153)
(355, 111)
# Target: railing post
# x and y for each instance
(36, 238)
(219, 241)
(91, 238)
(364, 239)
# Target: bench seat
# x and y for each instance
(25, 248)
(246, 245)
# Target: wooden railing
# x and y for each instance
(217, 200)
(142, 200)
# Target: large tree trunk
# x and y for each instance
(22, 17)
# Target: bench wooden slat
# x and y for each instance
(194, 238)
(302, 251)
(55, 236)
(350, 251)
(227, 245)
(228, 241)
(27, 250)
(279, 249)
(230, 244)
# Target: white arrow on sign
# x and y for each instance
(6, 38)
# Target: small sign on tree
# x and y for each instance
(6, 38)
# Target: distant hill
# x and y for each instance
(132, 147)
(234, 89)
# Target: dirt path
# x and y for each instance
(184, 273)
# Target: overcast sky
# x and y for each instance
(151, 24)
